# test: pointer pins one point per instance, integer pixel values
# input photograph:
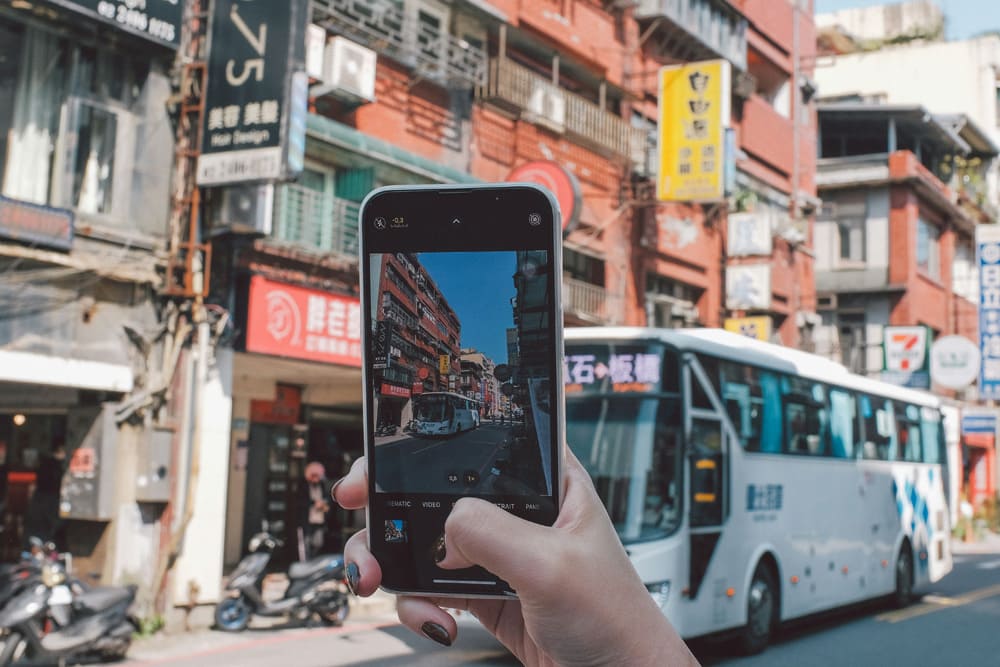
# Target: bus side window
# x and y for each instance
(744, 400)
(805, 416)
(930, 431)
(876, 417)
(908, 441)
(771, 427)
(842, 423)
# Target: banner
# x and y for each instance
(256, 70)
(988, 260)
(158, 21)
(692, 120)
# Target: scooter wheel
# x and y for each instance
(15, 647)
(335, 614)
(232, 614)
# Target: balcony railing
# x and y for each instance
(591, 302)
(545, 103)
(384, 26)
(698, 29)
(317, 221)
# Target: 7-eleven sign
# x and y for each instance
(905, 348)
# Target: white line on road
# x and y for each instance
(988, 565)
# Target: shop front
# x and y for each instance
(296, 400)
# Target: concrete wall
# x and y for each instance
(886, 21)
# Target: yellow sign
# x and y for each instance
(444, 364)
(752, 327)
(693, 116)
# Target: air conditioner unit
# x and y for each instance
(826, 302)
(350, 70)
(547, 106)
(247, 209)
(315, 51)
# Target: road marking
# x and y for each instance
(988, 565)
(933, 603)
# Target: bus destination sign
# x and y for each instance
(623, 369)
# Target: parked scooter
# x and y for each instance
(386, 430)
(315, 587)
(51, 622)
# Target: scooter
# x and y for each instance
(50, 622)
(386, 429)
(315, 587)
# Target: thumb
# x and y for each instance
(480, 533)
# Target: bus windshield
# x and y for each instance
(431, 409)
(631, 446)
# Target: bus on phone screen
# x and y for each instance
(752, 483)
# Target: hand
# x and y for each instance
(580, 600)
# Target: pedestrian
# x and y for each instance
(315, 509)
(41, 518)
(561, 617)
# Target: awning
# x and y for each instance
(29, 368)
(323, 129)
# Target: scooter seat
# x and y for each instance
(104, 597)
(316, 566)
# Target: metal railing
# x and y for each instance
(546, 103)
(385, 26)
(590, 302)
(317, 221)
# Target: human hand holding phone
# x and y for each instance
(580, 601)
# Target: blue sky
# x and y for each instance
(478, 286)
(963, 18)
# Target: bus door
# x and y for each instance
(707, 443)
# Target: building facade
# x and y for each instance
(895, 245)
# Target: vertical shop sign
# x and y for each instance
(988, 260)
(692, 121)
(254, 102)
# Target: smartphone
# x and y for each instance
(462, 340)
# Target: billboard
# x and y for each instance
(692, 121)
(988, 261)
(748, 287)
(257, 93)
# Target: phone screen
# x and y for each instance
(462, 354)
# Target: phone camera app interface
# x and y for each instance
(461, 357)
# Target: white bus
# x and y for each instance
(444, 413)
(752, 483)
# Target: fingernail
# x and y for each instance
(437, 633)
(353, 578)
(333, 489)
(439, 550)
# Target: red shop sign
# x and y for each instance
(288, 321)
(392, 390)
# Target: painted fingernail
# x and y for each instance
(333, 489)
(437, 633)
(439, 550)
(353, 577)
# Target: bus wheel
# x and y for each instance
(762, 610)
(904, 577)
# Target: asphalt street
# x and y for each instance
(462, 462)
(956, 621)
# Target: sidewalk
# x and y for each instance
(989, 544)
(378, 610)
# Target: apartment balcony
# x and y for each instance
(767, 134)
(591, 303)
(544, 103)
(696, 29)
(316, 221)
(385, 27)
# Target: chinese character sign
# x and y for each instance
(693, 116)
(290, 321)
(988, 256)
(256, 50)
(603, 370)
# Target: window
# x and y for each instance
(428, 34)
(908, 441)
(578, 266)
(805, 416)
(843, 423)
(319, 210)
(879, 434)
(929, 249)
(753, 402)
(965, 277)
(851, 234)
(932, 436)
(853, 345)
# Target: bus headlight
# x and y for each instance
(660, 591)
